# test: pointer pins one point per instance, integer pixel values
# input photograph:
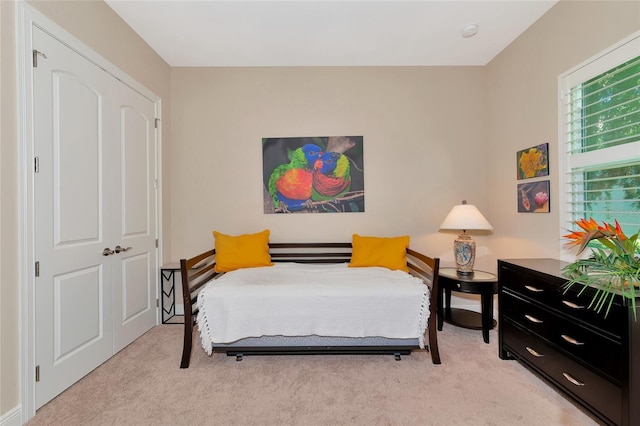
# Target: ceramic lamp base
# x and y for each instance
(464, 249)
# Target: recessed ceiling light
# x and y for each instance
(470, 30)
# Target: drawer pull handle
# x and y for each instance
(571, 340)
(533, 289)
(572, 305)
(533, 319)
(572, 380)
(534, 352)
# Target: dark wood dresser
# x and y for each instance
(592, 360)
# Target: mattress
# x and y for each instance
(324, 300)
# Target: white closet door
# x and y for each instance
(72, 214)
(135, 280)
(95, 215)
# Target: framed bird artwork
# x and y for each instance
(322, 174)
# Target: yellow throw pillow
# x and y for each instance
(389, 253)
(241, 251)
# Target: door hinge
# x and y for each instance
(156, 243)
(157, 303)
(36, 164)
(157, 123)
(37, 268)
(35, 54)
(37, 373)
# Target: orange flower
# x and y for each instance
(577, 238)
(589, 225)
(607, 234)
(617, 230)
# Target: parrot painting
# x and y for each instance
(290, 185)
(331, 176)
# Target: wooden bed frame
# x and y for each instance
(198, 270)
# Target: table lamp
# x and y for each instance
(465, 217)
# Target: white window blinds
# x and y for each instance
(601, 139)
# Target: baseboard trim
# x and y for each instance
(12, 417)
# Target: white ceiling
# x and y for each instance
(327, 33)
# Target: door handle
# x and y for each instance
(118, 249)
(107, 251)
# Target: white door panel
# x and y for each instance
(78, 155)
(86, 285)
(74, 276)
(135, 279)
(136, 144)
(135, 292)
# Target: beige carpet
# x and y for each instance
(142, 385)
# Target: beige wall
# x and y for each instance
(97, 26)
(9, 282)
(432, 136)
(424, 148)
(522, 86)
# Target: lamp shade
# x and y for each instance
(464, 217)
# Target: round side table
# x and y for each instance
(483, 283)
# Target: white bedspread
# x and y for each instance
(293, 299)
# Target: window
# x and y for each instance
(600, 139)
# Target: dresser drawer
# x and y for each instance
(593, 349)
(530, 286)
(593, 391)
(550, 293)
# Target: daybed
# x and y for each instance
(199, 270)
